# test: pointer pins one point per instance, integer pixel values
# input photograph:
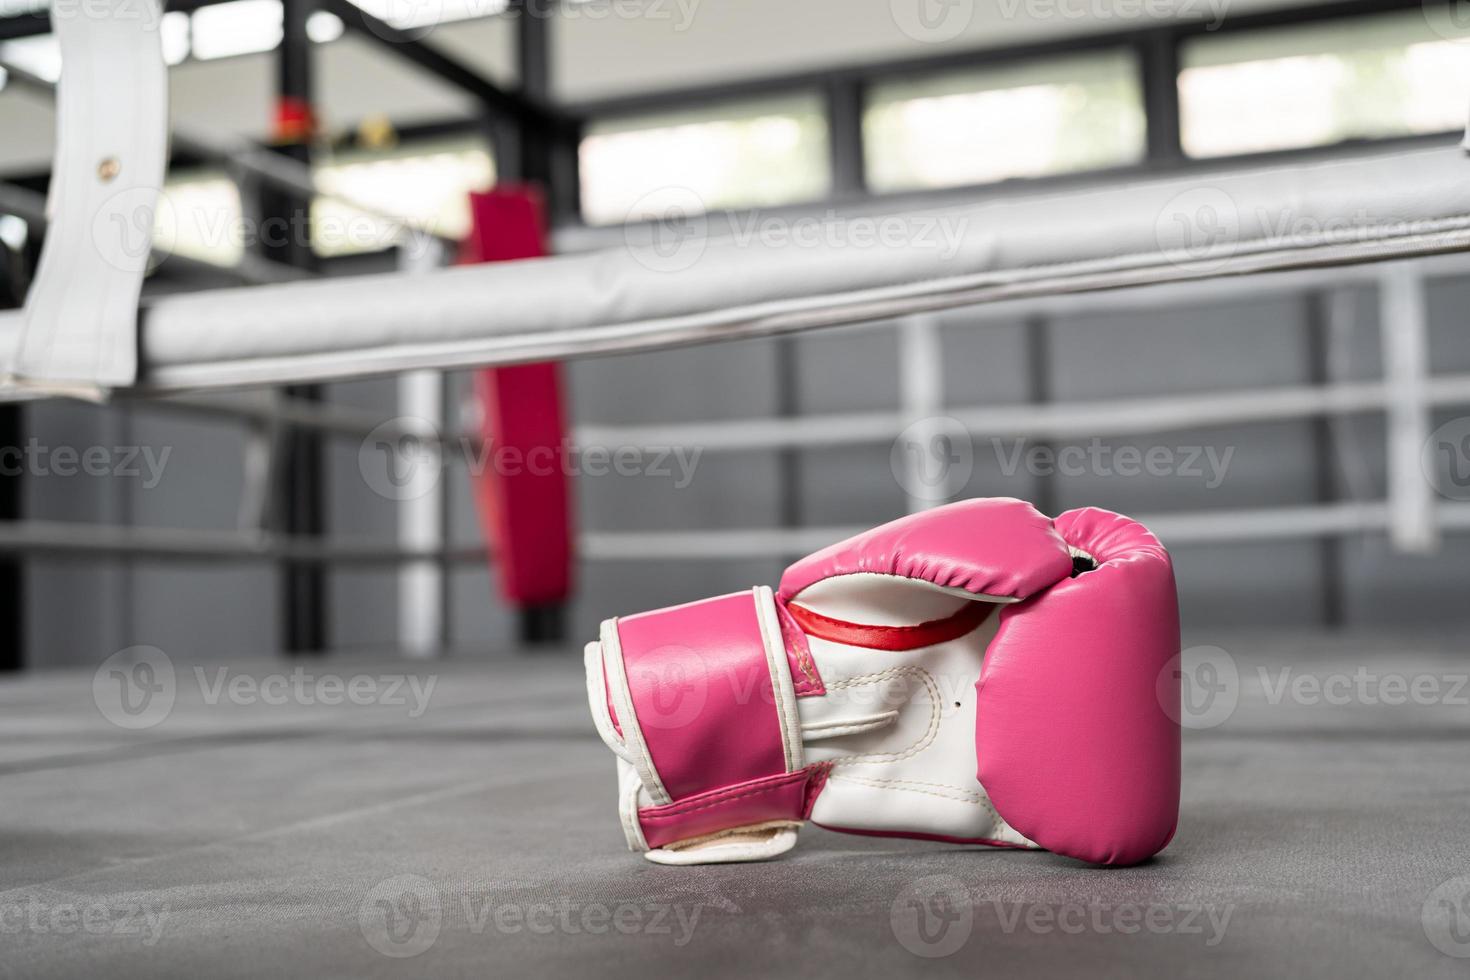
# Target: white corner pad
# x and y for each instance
(78, 331)
(759, 842)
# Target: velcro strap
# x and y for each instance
(710, 688)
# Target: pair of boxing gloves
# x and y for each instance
(978, 673)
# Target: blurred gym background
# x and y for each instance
(767, 110)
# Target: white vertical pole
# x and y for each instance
(421, 585)
(1404, 335)
(921, 393)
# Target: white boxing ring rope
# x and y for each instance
(631, 299)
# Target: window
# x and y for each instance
(1388, 75)
(428, 185)
(40, 55)
(200, 216)
(422, 14)
(238, 27)
(757, 154)
(173, 33)
(1050, 117)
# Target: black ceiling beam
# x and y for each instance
(524, 111)
(24, 25)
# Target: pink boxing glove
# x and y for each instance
(976, 673)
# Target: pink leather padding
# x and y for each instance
(782, 797)
(1074, 744)
(993, 546)
(701, 689)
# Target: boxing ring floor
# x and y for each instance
(246, 838)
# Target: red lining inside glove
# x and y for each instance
(894, 638)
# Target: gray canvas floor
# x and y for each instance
(241, 838)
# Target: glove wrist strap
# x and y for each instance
(701, 702)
